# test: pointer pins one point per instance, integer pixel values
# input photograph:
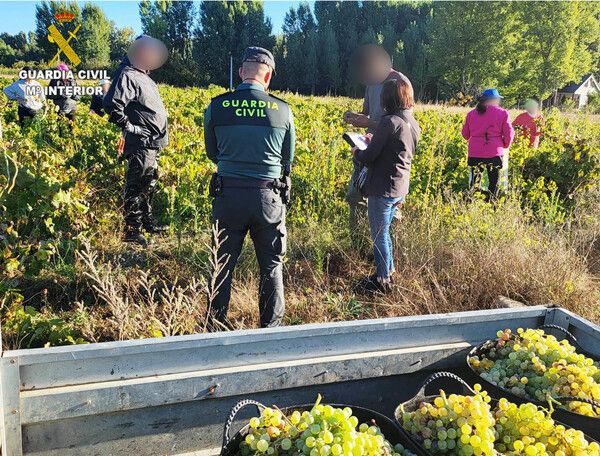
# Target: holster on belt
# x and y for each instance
(285, 189)
(216, 185)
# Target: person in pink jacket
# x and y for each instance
(490, 133)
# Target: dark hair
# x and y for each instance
(481, 107)
(397, 94)
(27, 68)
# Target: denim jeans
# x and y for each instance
(381, 213)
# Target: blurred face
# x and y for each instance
(148, 54)
(372, 65)
(105, 87)
(532, 109)
(492, 102)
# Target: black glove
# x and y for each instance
(285, 189)
(137, 130)
(286, 184)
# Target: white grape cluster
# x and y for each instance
(459, 425)
(535, 365)
(321, 431)
(454, 424)
(528, 429)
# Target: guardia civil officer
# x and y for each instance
(133, 102)
(250, 135)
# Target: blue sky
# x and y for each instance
(19, 16)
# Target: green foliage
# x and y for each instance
(120, 40)
(449, 50)
(93, 44)
(467, 52)
(27, 327)
(557, 42)
(7, 54)
(227, 28)
(44, 201)
(593, 105)
(300, 59)
(18, 48)
(329, 68)
(34, 329)
(170, 21)
(56, 193)
(56, 189)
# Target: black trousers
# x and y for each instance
(492, 165)
(140, 186)
(25, 113)
(261, 213)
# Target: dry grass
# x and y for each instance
(451, 256)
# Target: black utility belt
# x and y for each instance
(218, 183)
(233, 182)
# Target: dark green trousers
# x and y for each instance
(261, 213)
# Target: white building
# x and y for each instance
(579, 92)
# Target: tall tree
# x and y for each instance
(152, 17)
(18, 47)
(311, 70)
(349, 24)
(7, 54)
(300, 40)
(329, 63)
(171, 22)
(227, 28)
(557, 46)
(300, 20)
(467, 54)
(412, 58)
(93, 44)
(180, 17)
(120, 40)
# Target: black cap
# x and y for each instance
(260, 55)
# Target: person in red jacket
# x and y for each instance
(489, 132)
(530, 123)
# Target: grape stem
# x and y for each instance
(283, 414)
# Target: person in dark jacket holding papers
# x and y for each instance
(388, 158)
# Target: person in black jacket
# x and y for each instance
(96, 106)
(388, 159)
(133, 103)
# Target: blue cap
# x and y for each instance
(490, 93)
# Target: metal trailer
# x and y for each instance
(170, 396)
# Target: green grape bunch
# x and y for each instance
(459, 425)
(535, 365)
(321, 431)
(529, 430)
(455, 424)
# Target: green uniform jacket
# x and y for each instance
(249, 133)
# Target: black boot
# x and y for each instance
(149, 223)
(151, 226)
(372, 285)
(135, 236)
